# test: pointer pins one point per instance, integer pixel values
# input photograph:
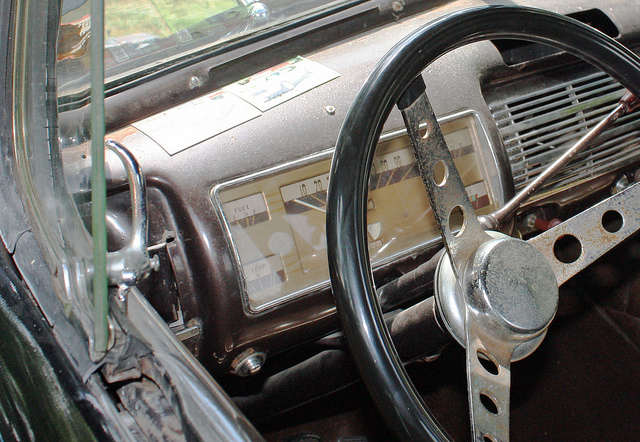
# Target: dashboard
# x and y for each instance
(238, 179)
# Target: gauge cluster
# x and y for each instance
(275, 220)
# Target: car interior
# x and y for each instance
(287, 217)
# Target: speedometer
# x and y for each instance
(304, 203)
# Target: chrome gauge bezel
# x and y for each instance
(488, 168)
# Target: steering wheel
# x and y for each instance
(496, 295)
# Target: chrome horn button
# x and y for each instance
(510, 289)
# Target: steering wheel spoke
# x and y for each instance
(571, 246)
(454, 214)
(488, 359)
(488, 385)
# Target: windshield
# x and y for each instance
(146, 35)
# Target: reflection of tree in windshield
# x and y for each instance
(138, 33)
(126, 17)
(182, 14)
(158, 17)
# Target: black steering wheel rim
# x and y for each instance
(349, 265)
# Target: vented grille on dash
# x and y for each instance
(539, 126)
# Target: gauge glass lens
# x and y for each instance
(304, 203)
(277, 220)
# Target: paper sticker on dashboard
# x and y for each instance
(281, 83)
(191, 123)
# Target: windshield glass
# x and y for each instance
(143, 35)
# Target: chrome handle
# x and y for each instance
(132, 262)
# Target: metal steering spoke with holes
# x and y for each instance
(573, 245)
(489, 389)
(459, 227)
(488, 385)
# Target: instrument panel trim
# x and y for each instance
(486, 152)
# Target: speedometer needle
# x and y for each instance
(310, 206)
